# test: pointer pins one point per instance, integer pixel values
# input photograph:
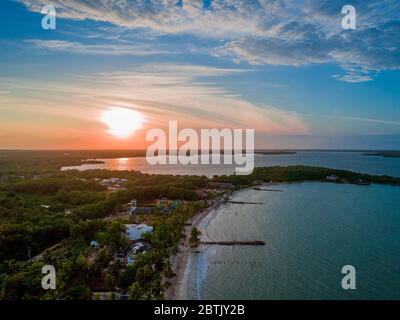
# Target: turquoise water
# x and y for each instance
(311, 231)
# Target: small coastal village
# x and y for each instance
(109, 235)
(116, 234)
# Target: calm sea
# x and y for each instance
(311, 231)
(354, 161)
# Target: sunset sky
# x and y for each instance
(285, 68)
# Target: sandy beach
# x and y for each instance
(176, 291)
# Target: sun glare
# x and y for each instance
(122, 122)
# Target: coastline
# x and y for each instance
(180, 262)
(176, 291)
(189, 282)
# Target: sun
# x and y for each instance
(122, 122)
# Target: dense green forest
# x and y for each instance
(42, 208)
(302, 173)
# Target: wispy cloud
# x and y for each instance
(353, 78)
(339, 125)
(287, 32)
(176, 92)
(96, 49)
(189, 70)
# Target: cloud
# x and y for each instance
(171, 93)
(285, 32)
(189, 70)
(95, 49)
(164, 17)
(353, 78)
(178, 92)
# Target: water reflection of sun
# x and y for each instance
(122, 163)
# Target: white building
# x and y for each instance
(113, 181)
(332, 178)
(133, 206)
(94, 244)
(133, 251)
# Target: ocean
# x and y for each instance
(311, 231)
(353, 161)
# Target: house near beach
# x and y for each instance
(332, 178)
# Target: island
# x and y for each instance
(274, 152)
(93, 162)
(385, 154)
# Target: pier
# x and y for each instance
(243, 202)
(232, 243)
(271, 190)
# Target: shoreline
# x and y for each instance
(181, 260)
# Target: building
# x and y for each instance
(113, 182)
(137, 247)
(162, 203)
(133, 251)
(94, 244)
(135, 232)
(166, 205)
(332, 178)
(133, 207)
(144, 210)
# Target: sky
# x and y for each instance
(284, 68)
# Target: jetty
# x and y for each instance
(271, 190)
(243, 202)
(232, 243)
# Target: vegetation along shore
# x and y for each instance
(113, 243)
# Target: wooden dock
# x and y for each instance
(243, 202)
(233, 243)
(271, 190)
